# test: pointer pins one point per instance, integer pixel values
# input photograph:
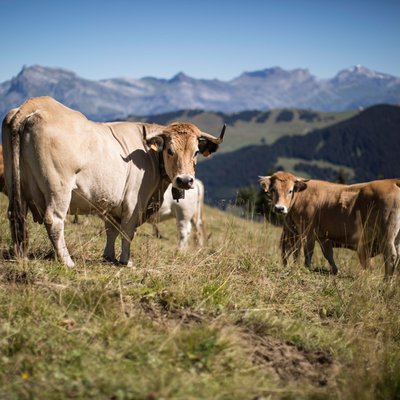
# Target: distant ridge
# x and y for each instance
(367, 145)
(270, 88)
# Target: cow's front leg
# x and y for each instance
(184, 229)
(309, 249)
(127, 236)
(112, 231)
(327, 250)
(290, 244)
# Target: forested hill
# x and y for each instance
(366, 147)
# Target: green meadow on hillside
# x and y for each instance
(223, 322)
(248, 128)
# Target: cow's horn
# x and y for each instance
(212, 138)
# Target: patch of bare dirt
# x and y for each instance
(288, 363)
(291, 364)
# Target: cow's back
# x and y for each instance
(62, 150)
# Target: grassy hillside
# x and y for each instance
(223, 322)
(253, 127)
(364, 147)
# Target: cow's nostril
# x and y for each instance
(191, 180)
(179, 180)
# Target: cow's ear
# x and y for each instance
(265, 182)
(209, 144)
(300, 184)
(152, 136)
(156, 143)
(206, 147)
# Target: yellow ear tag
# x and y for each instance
(206, 153)
(154, 147)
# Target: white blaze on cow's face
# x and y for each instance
(281, 187)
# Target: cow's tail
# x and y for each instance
(200, 222)
(16, 210)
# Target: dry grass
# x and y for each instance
(223, 322)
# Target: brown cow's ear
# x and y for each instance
(209, 144)
(300, 185)
(206, 147)
(265, 182)
(156, 143)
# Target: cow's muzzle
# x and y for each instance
(184, 182)
(279, 209)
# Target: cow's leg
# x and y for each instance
(111, 235)
(390, 259)
(184, 229)
(284, 242)
(391, 249)
(127, 235)
(198, 224)
(19, 231)
(54, 217)
(290, 244)
(156, 231)
(327, 250)
(309, 249)
(364, 255)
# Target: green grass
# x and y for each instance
(223, 322)
(243, 133)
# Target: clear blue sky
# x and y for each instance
(205, 39)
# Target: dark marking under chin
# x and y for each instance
(178, 194)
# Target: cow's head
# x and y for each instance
(281, 188)
(180, 143)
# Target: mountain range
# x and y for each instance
(271, 88)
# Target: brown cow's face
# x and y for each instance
(180, 143)
(180, 158)
(281, 188)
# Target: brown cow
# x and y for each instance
(364, 217)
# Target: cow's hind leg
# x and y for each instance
(54, 217)
(19, 231)
(391, 252)
(327, 250)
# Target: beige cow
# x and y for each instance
(364, 217)
(187, 212)
(56, 160)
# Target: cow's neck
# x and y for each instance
(157, 197)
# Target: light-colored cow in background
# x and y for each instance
(188, 212)
(364, 217)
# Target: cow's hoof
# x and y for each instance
(110, 260)
(128, 264)
(69, 263)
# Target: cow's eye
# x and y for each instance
(272, 190)
(170, 152)
(290, 191)
(196, 153)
